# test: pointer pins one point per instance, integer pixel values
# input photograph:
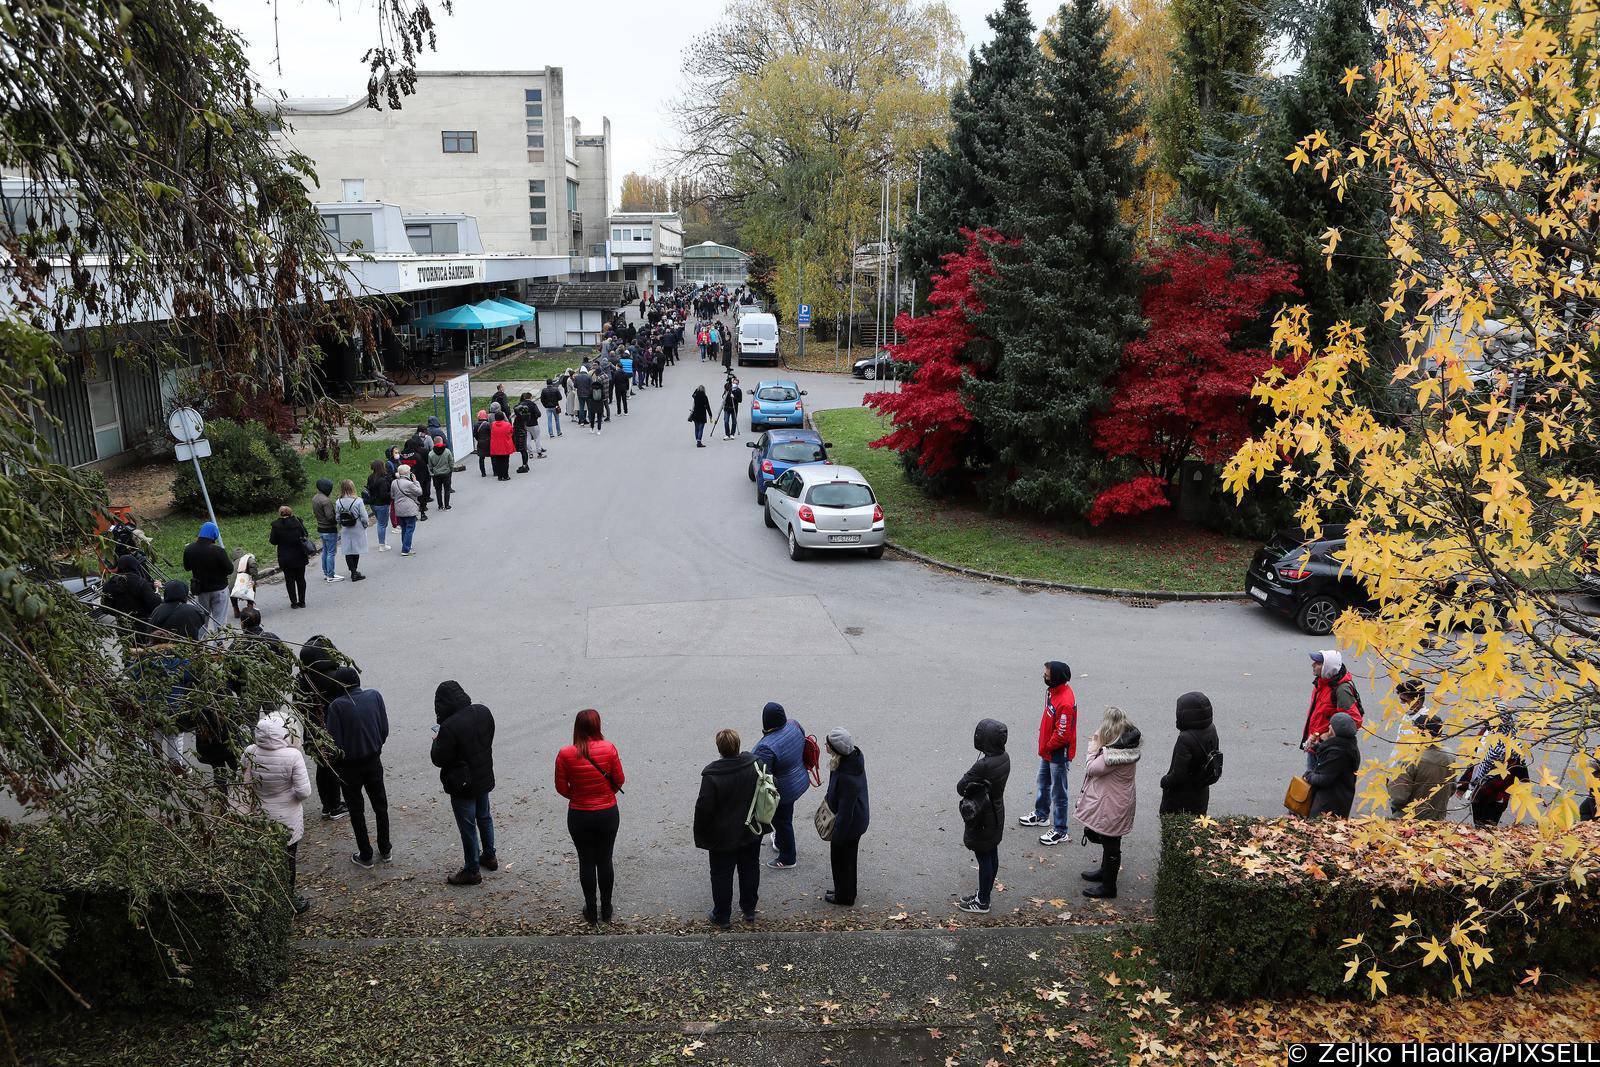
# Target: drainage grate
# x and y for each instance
(1142, 602)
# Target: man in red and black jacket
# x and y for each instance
(1058, 743)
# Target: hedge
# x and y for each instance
(213, 918)
(250, 469)
(1269, 907)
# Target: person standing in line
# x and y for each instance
(1338, 758)
(463, 750)
(501, 446)
(533, 423)
(1058, 744)
(480, 437)
(416, 451)
(727, 790)
(351, 514)
(621, 381)
(1421, 789)
(358, 724)
(519, 431)
(1109, 796)
(441, 467)
(131, 595)
(379, 483)
(847, 799)
(727, 350)
(732, 396)
(210, 573)
(327, 528)
(1332, 690)
(1196, 759)
(501, 399)
(781, 751)
(589, 774)
(983, 809)
(314, 690)
(583, 385)
(600, 395)
(275, 772)
(569, 394)
(550, 400)
(242, 593)
(407, 496)
(1497, 768)
(700, 414)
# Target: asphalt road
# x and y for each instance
(632, 573)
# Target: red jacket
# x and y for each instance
(1328, 698)
(1058, 728)
(582, 784)
(500, 439)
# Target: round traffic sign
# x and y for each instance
(185, 425)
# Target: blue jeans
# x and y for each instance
(552, 422)
(381, 511)
(408, 526)
(988, 867)
(730, 419)
(783, 831)
(1050, 798)
(583, 411)
(699, 431)
(330, 552)
(474, 821)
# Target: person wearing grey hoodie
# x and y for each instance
(327, 529)
(1333, 781)
(983, 808)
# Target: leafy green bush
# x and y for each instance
(251, 469)
(216, 917)
(1274, 907)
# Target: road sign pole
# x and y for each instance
(206, 496)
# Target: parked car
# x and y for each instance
(778, 450)
(876, 366)
(777, 403)
(825, 507)
(757, 339)
(1300, 578)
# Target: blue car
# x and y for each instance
(778, 450)
(777, 404)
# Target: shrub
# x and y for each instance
(250, 469)
(213, 922)
(1271, 907)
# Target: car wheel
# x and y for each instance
(751, 470)
(766, 516)
(1317, 615)
(875, 552)
(795, 551)
(869, 373)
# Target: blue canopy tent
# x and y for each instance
(470, 317)
(511, 307)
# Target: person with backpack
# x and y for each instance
(416, 450)
(1498, 768)
(599, 395)
(786, 753)
(1332, 691)
(589, 774)
(1333, 778)
(983, 808)
(734, 793)
(463, 750)
(1058, 744)
(583, 386)
(1196, 759)
(847, 803)
(351, 515)
(1109, 797)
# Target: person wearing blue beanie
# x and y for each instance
(782, 751)
(209, 531)
(210, 574)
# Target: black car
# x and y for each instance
(1300, 577)
(875, 367)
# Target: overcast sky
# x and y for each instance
(621, 57)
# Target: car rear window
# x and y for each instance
(797, 452)
(761, 331)
(778, 392)
(840, 495)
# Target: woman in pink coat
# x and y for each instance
(1106, 804)
(276, 772)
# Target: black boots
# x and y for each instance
(1092, 876)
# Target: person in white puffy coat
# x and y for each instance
(275, 771)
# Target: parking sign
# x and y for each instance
(804, 318)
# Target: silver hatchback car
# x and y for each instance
(825, 507)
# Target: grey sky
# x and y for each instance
(621, 57)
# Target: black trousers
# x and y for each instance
(622, 401)
(294, 856)
(502, 466)
(294, 579)
(843, 853)
(481, 457)
(328, 787)
(441, 489)
(747, 861)
(353, 563)
(425, 482)
(1110, 854)
(594, 835)
(356, 776)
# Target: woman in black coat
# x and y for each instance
(983, 808)
(289, 534)
(1196, 759)
(1333, 781)
(700, 414)
(847, 799)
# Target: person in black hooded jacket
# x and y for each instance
(1196, 758)
(463, 750)
(315, 688)
(727, 787)
(1333, 782)
(176, 616)
(983, 808)
(129, 593)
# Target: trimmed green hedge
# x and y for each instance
(250, 469)
(1227, 932)
(213, 918)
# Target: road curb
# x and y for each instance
(1063, 587)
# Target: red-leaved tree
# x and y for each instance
(930, 420)
(1183, 387)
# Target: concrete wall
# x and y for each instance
(594, 188)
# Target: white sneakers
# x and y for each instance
(334, 578)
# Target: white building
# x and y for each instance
(709, 263)
(647, 246)
(496, 145)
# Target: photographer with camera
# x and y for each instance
(732, 397)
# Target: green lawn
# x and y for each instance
(532, 368)
(250, 532)
(414, 415)
(1158, 553)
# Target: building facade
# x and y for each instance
(709, 263)
(647, 247)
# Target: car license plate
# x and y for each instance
(1259, 594)
(844, 539)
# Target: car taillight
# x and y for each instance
(766, 466)
(807, 515)
(877, 513)
(1293, 574)
(755, 405)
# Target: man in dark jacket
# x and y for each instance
(358, 724)
(1196, 759)
(620, 382)
(315, 689)
(210, 572)
(176, 616)
(983, 808)
(480, 437)
(416, 449)
(327, 528)
(1333, 782)
(130, 595)
(521, 416)
(727, 788)
(463, 750)
(550, 400)
(847, 799)
(583, 385)
(781, 751)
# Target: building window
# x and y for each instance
(354, 189)
(437, 238)
(538, 233)
(535, 155)
(536, 218)
(536, 203)
(535, 140)
(536, 125)
(533, 96)
(345, 230)
(536, 185)
(536, 111)
(460, 140)
(572, 195)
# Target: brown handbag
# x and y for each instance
(1297, 798)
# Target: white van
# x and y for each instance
(758, 339)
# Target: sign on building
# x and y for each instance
(443, 272)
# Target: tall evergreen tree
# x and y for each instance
(959, 177)
(1064, 298)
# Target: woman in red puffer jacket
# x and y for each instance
(589, 775)
(501, 447)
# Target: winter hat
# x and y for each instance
(1060, 673)
(348, 679)
(448, 699)
(483, 414)
(495, 407)
(840, 742)
(324, 485)
(209, 529)
(772, 716)
(1342, 725)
